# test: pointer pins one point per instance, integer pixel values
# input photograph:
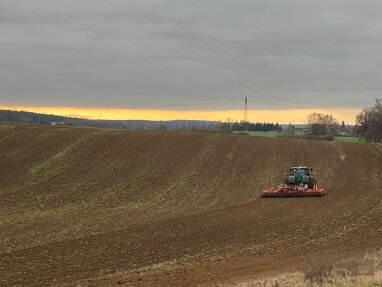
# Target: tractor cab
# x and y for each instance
(300, 175)
(300, 171)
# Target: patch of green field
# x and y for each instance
(271, 134)
(301, 134)
(264, 134)
(348, 139)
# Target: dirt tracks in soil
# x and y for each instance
(107, 207)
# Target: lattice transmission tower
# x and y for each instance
(246, 114)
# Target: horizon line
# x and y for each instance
(284, 116)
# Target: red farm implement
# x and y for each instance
(300, 182)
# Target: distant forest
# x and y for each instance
(256, 127)
(35, 118)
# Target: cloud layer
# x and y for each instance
(181, 54)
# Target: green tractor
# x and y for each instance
(300, 176)
(300, 182)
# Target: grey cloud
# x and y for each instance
(187, 54)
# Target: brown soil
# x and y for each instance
(105, 207)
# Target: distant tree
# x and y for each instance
(323, 125)
(278, 128)
(291, 129)
(343, 126)
(369, 122)
(259, 127)
(226, 127)
(236, 126)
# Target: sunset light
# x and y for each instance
(282, 116)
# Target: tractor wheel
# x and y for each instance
(312, 182)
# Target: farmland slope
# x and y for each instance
(104, 207)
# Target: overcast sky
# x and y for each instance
(180, 54)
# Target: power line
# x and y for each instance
(200, 103)
(207, 104)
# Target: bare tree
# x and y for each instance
(369, 122)
(323, 125)
(226, 127)
(291, 129)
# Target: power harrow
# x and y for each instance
(300, 182)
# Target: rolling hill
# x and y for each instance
(89, 206)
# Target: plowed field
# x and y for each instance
(81, 206)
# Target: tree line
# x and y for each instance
(368, 124)
(320, 126)
(256, 127)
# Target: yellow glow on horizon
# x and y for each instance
(282, 116)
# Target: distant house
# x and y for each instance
(345, 134)
(58, 123)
